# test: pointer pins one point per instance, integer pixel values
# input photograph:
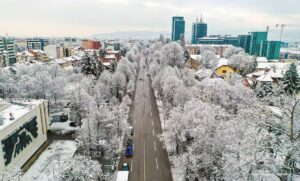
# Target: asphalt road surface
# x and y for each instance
(150, 161)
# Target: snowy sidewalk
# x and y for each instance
(57, 152)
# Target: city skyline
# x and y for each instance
(85, 18)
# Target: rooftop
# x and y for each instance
(10, 112)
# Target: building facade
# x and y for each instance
(219, 40)
(37, 44)
(23, 130)
(8, 48)
(91, 44)
(199, 30)
(178, 27)
(270, 50)
(219, 49)
(244, 42)
(256, 41)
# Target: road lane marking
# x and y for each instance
(131, 166)
(153, 132)
(132, 146)
(151, 113)
(145, 158)
(154, 146)
(152, 122)
(156, 163)
(135, 122)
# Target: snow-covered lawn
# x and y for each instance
(57, 152)
(62, 127)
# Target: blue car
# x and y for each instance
(129, 151)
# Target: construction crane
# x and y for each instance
(282, 26)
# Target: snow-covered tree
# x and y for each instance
(172, 54)
(79, 168)
(264, 90)
(208, 59)
(291, 80)
(230, 51)
(242, 63)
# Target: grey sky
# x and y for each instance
(86, 17)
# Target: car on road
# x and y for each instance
(129, 142)
(125, 167)
(129, 151)
(131, 130)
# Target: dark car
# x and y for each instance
(129, 151)
(129, 142)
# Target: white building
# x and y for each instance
(23, 130)
(51, 51)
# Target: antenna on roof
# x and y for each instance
(201, 19)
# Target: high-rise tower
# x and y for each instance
(199, 30)
(178, 27)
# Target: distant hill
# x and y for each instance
(131, 35)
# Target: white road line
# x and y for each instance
(152, 122)
(131, 166)
(135, 122)
(151, 113)
(156, 164)
(145, 160)
(154, 146)
(132, 146)
(153, 132)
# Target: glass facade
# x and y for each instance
(256, 41)
(178, 27)
(244, 42)
(219, 41)
(199, 30)
(270, 49)
(37, 44)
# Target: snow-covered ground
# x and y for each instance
(57, 152)
(62, 127)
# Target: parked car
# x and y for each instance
(129, 151)
(129, 142)
(125, 167)
(131, 131)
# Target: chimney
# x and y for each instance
(11, 116)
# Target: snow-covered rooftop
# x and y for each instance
(196, 57)
(14, 110)
(213, 45)
(261, 59)
(269, 65)
(222, 62)
(265, 78)
(111, 56)
(203, 73)
(113, 52)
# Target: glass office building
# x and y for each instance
(178, 27)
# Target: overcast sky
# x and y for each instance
(87, 17)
